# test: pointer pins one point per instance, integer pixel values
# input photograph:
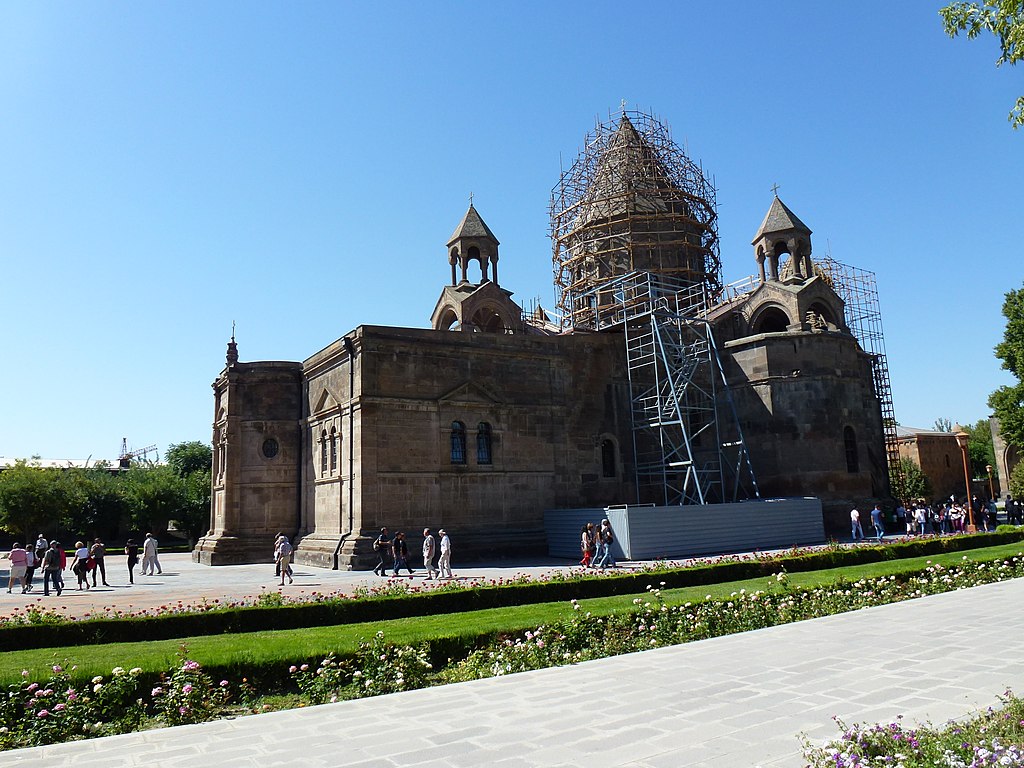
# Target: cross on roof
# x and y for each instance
(471, 199)
(775, 189)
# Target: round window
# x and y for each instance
(270, 447)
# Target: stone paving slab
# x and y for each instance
(734, 701)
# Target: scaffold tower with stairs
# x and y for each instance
(687, 438)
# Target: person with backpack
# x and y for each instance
(53, 564)
(97, 552)
(381, 545)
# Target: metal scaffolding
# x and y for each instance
(859, 291)
(631, 202)
(687, 441)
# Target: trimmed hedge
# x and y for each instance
(256, 619)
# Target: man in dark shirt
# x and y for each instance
(381, 546)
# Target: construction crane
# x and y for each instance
(124, 461)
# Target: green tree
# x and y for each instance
(193, 461)
(34, 499)
(157, 495)
(106, 506)
(194, 517)
(980, 451)
(914, 484)
(1007, 403)
(943, 425)
(189, 457)
(1002, 18)
(1017, 481)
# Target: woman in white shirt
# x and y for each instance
(80, 565)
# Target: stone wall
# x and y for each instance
(548, 400)
(257, 454)
(795, 394)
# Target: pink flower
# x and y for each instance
(187, 688)
(43, 713)
(223, 683)
(57, 668)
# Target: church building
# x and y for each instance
(493, 415)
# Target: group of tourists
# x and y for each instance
(596, 545)
(921, 519)
(397, 550)
(51, 558)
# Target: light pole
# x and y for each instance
(992, 490)
(961, 440)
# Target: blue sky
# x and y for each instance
(297, 168)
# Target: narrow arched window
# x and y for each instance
(483, 443)
(608, 459)
(850, 444)
(323, 453)
(947, 461)
(334, 450)
(458, 442)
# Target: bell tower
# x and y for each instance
(782, 233)
(473, 240)
(475, 307)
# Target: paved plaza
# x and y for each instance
(187, 582)
(741, 700)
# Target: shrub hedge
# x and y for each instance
(349, 611)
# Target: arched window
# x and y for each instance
(609, 464)
(483, 443)
(458, 442)
(947, 461)
(323, 453)
(334, 450)
(771, 320)
(850, 444)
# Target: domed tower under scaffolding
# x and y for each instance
(636, 252)
(631, 202)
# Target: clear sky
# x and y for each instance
(168, 168)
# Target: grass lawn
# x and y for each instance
(240, 652)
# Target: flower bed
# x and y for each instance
(994, 737)
(35, 712)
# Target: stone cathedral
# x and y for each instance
(493, 415)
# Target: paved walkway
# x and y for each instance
(189, 583)
(730, 702)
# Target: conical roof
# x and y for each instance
(628, 178)
(472, 226)
(780, 219)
